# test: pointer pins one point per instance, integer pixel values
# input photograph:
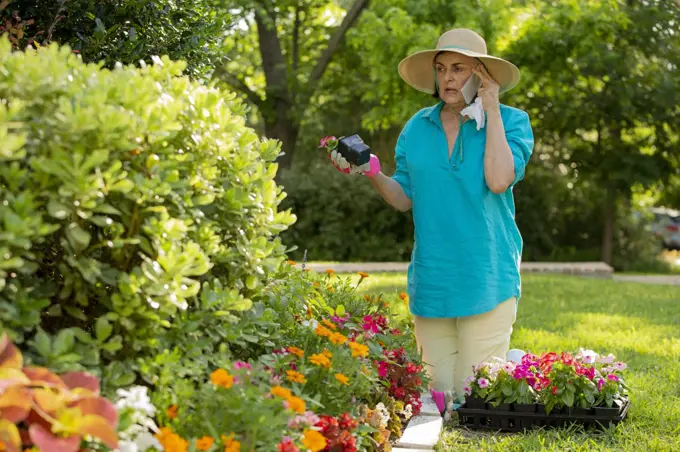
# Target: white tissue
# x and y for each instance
(475, 111)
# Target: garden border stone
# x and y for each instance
(423, 431)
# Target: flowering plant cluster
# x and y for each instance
(556, 380)
(342, 377)
(40, 410)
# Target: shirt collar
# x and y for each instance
(432, 113)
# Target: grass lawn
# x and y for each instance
(638, 323)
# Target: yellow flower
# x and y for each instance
(331, 289)
(171, 441)
(329, 324)
(221, 377)
(204, 443)
(321, 360)
(363, 275)
(368, 298)
(337, 338)
(172, 412)
(296, 404)
(322, 331)
(278, 391)
(313, 440)
(296, 351)
(342, 379)
(358, 350)
(365, 371)
(330, 272)
(296, 377)
(327, 354)
(230, 444)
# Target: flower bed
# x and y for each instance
(549, 390)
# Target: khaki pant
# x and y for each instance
(451, 346)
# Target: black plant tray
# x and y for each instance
(516, 421)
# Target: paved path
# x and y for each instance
(576, 268)
(591, 269)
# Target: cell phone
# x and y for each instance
(354, 150)
(470, 88)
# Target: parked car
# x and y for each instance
(666, 226)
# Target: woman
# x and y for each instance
(456, 166)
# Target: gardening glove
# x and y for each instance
(369, 169)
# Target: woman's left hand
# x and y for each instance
(489, 89)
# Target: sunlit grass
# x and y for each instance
(639, 323)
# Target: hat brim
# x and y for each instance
(416, 69)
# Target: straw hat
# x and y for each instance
(417, 69)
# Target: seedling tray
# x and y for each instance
(517, 421)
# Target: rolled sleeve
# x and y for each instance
(520, 138)
(401, 174)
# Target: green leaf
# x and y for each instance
(107, 209)
(123, 186)
(78, 235)
(103, 329)
(340, 310)
(64, 342)
(75, 312)
(42, 343)
(57, 210)
(115, 344)
(568, 398)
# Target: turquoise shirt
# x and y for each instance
(467, 247)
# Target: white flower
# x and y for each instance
(383, 413)
(311, 323)
(587, 356)
(136, 398)
(407, 412)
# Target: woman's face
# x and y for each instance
(453, 70)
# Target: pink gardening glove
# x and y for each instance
(369, 169)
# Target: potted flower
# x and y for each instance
(478, 386)
(611, 394)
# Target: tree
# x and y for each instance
(125, 31)
(295, 41)
(601, 86)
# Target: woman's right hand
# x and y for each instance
(369, 169)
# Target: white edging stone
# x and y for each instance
(422, 433)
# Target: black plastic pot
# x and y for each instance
(475, 403)
(525, 407)
(606, 411)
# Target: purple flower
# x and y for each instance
(483, 383)
(340, 320)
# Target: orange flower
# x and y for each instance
(296, 404)
(337, 338)
(320, 360)
(221, 377)
(316, 284)
(172, 411)
(329, 324)
(296, 351)
(368, 298)
(330, 272)
(363, 275)
(342, 379)
(313, 440)
(327, 354)
(330, 288)
(230, 444)
(404, 297)
(295, 377)
(171, 441)
(322, 331)
(279, 391)
(290, 262)
(205, 443)
(358, 350)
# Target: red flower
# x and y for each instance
(383, 367)
(347, 423)
(554, 390)
(395, 331)
(412, 368)
(287, 445)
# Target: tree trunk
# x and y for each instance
(609, 225)
(285, 129)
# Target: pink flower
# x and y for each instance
(609, 359)
(600, 384)
(612, 377)
(483, 383)
(467, 390)
(509, 368)
(324, 141)
(242, 365)
(470, 379)
(620, 366)
(383, 367)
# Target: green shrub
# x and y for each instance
(126, 197)
(342, 218)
